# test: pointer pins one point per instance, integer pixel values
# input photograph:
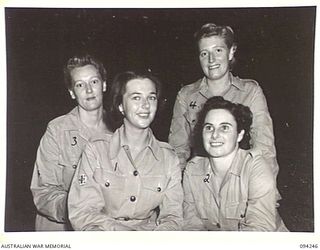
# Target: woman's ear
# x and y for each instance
(104, 86)
(240, 136)
(232, 51)
(72, 94)
(121, 109)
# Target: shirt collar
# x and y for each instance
(75, 123)
(119, 141)
(237, 162)
(235, 82)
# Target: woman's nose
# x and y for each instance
(146, 104)
(214, 134)
(88, 88)
(211, 57)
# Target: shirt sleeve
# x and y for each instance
(170, 216)
(262, 129)
(86, 201)
(180, 130)
(191, 218)
(49, 193)
(261, 207)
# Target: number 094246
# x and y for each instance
(308, 246)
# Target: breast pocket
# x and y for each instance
(235, 210)
(72, 146)
(191, 117)
(202, 196)
(112, 186)
(68, 166)
(154, 188)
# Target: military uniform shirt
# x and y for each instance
(246, 200)
(190, 101)
(111, 189)
(58, 155)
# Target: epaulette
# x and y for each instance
(165, 145)
(255, 152)
(250, 80)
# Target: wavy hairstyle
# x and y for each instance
(241, 114)
(80, 61)
(118, 89)
(226, 32)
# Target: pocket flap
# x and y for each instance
(155, 183)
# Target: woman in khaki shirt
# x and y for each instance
(130, 180)
(228, 187)
(217, 48)
(65, 138)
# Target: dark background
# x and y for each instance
(275, 47)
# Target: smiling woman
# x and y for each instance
(216, 48)
(227, 187)
(130, 180)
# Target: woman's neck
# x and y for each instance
(219, 86)
(92, 119)
(137, 138)
(221, 165)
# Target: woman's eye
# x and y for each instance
(152, 98)
(219, 50)
(136, 98)
(79, 85)
(207, 128)
(225, 128)
(95, 81)
(203, 54)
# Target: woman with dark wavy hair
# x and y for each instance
(227, 185)
(130, 180)
(217, 49)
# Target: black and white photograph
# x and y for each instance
(172, 119)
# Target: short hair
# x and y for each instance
(118, 89)
(80, 61)
(211, 29)
(241, 114)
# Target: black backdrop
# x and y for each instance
(275, 47)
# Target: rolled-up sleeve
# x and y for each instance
(180, 130)
(170, 216)
(47, 186)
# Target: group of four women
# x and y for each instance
(218, 171)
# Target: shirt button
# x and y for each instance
(133, 198)
(107, 184)
(74, 166)
(159, 189)
(135, 172)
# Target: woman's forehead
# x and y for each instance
(217, 116)
(140, 86)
